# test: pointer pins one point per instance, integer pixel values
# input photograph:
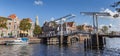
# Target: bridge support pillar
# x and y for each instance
(94, 41)
(52, 41)
(68, 39)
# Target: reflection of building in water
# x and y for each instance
(23, 50)
(16, 50)
(40, 50)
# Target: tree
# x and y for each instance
(25, 24)
(113, 33)
(80, 27)
(105, 29)
(37, 30)
(116, 4)
(11, 34)
(3, 22)
(2, 34)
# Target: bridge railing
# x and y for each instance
(65, 33)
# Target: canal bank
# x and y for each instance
(76, 49)
(32, 40)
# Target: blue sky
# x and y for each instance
(46, 9)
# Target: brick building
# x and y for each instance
(13, 27)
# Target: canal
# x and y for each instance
(76, 49)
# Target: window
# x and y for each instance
(14, 26)
(9, 23)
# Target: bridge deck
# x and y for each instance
(110, 36)
(64, 34)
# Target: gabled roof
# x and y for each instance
(70, 24)
(30, 19)
(12, 16)
(5, 18)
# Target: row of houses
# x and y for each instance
(54, 28)
(13, 27)
(51, 27)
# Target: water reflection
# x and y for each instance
(41, 50)
(76, 49)
(56, 50)
(15, 50)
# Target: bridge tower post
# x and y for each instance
(61, 34)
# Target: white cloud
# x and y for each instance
(112, 13)
(111, 24)
(85, 23)
(52, 19)
(38, 2)
(114, 22)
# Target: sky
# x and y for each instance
(47, 9)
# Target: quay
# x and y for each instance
(32, 40)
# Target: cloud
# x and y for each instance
(112, 13)
(38, 2)
(85, 23)
(114, 21)
(52, 19)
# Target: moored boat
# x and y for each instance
(23, 40)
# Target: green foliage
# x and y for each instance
(2, 34)
(105, 29)
(37, 30)
(116, 6)
(25, 24)
(3, 22)
(112, 33)
(11, 34)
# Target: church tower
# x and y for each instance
(37, 21)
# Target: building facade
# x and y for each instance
(84, 27)
(54, 28)
(13, 27)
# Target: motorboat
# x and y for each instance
(22, 40)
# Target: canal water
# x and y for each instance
(76, 49)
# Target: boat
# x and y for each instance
(18, 41)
